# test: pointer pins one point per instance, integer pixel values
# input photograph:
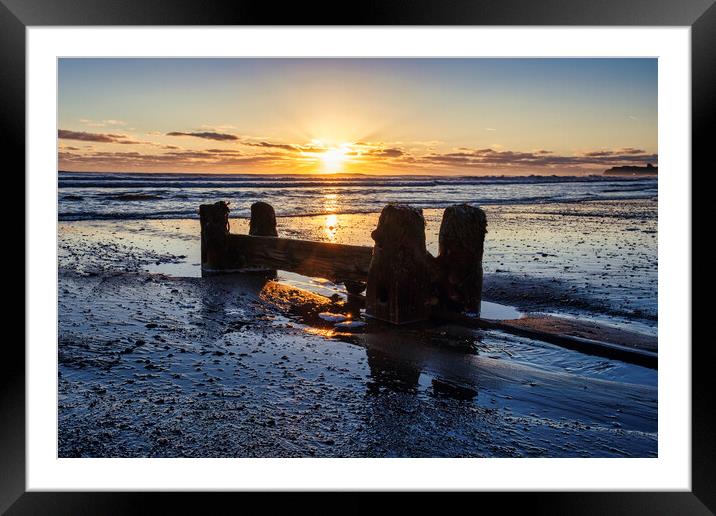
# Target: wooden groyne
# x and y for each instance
(403, 283)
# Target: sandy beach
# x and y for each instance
(156, 361)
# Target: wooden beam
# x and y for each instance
(335, 262)
(598, 348)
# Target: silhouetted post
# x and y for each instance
(263, 220)
(461, 243)
(398, 278)
(214, 220)
(263, 223)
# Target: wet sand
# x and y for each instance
(156, 365)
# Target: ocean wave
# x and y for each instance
(117, 196)
(264, 182)
(244, 212)
(124, 215)
(133, 197)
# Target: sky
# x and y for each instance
(437, 116)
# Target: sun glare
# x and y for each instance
(334, 158)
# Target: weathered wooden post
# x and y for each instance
(398, 278)
(459, 264)
(263, 220)
(263, 223)
(214, 219)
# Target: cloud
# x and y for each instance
(539, 159)
(90, 137)
(599, 154)
(121, 139)
(630, 150)
(207, 135)
(283, 146)
(386, 153)
(617, 152)
(208, 154)
(207, 160)
(311, 149)
(233, 152)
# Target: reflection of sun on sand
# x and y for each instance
(331, 226)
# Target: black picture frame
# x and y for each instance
(17, 15)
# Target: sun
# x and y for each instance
(334, 158)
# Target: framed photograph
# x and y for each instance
(442, 248)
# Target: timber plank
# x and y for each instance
(335, 262)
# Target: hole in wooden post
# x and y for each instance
(382, 294)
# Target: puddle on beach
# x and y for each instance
(498, 312)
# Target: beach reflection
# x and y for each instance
(436, 362)
(390, 372)
(330, 227)
(331, 203)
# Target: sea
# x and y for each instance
(109, 196)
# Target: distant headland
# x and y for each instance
(628, 170)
